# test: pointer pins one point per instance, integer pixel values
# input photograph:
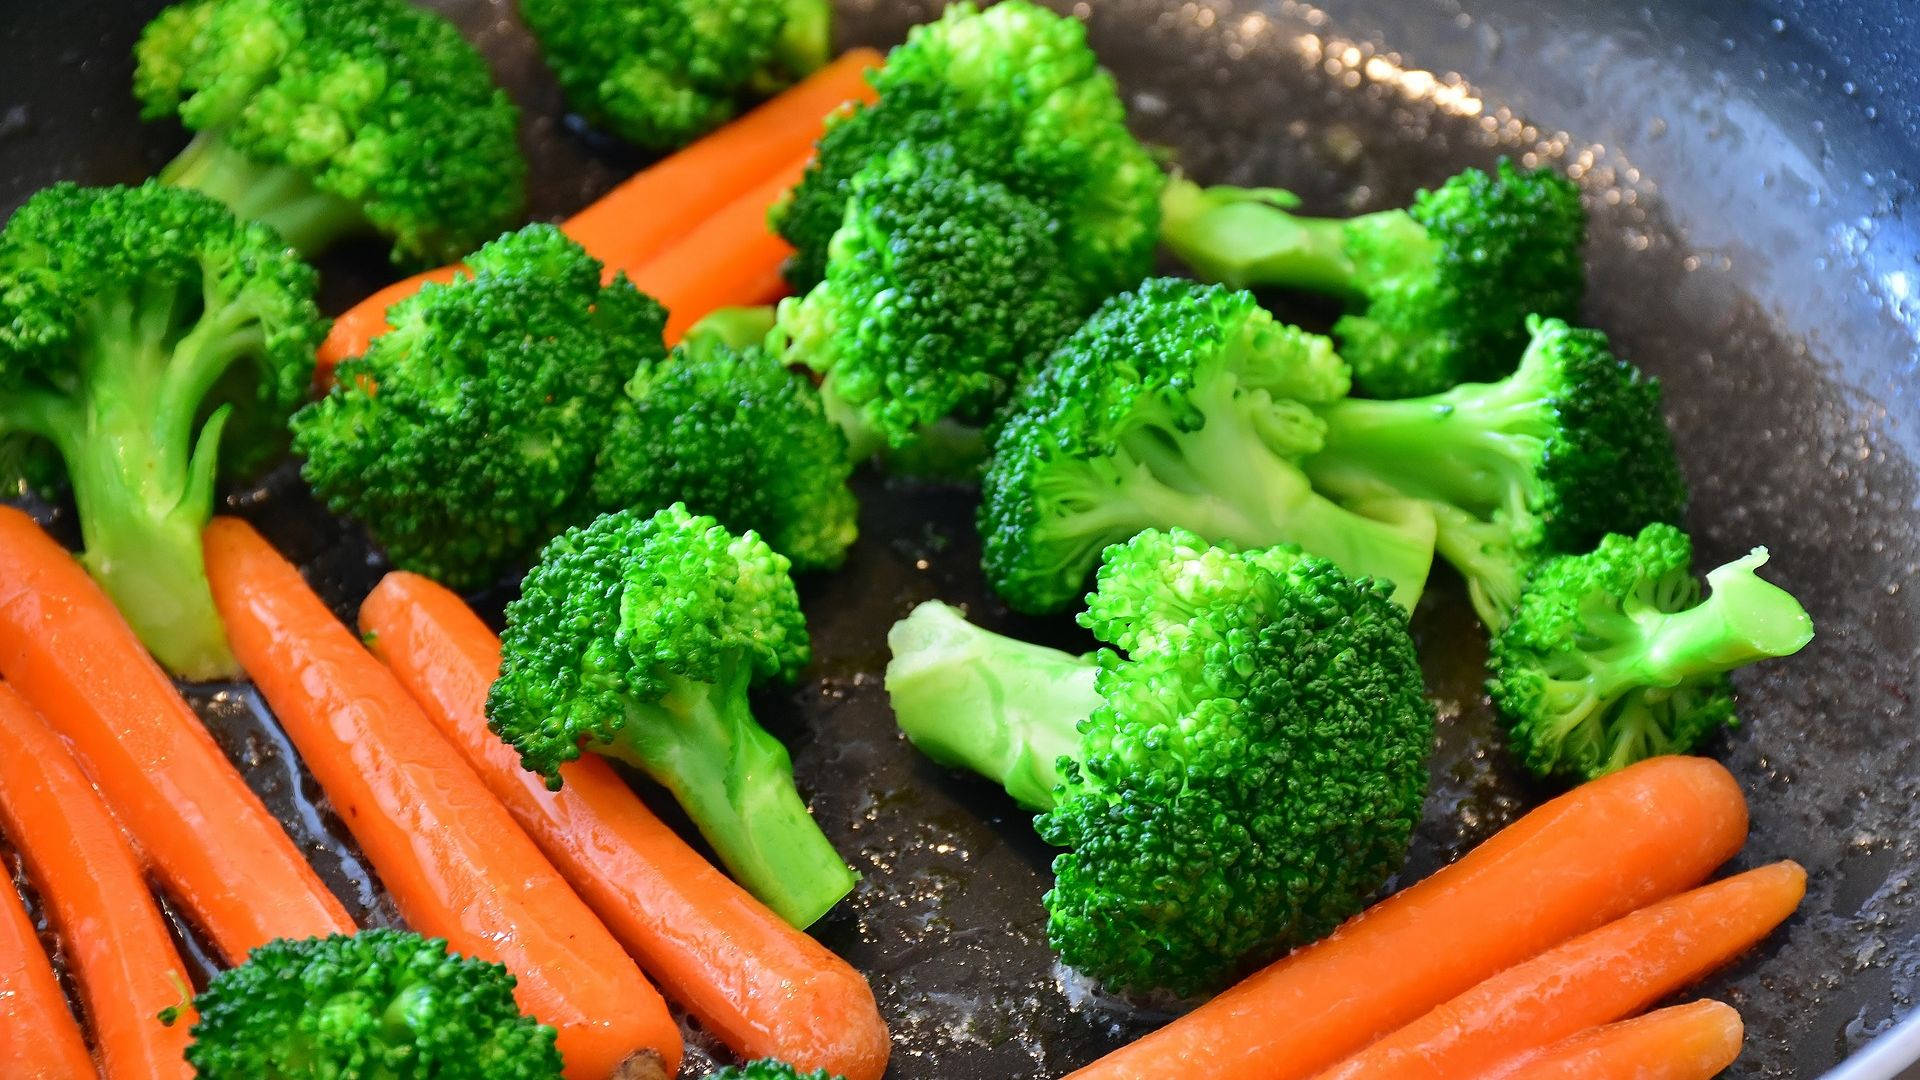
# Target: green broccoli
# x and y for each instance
(136, 325)
(327, 118)
(379, 1003)
(1177, 405)
(658, 73)
(466, 436)
(1568, 448)
(768, 1069)
(1446, 284)
(640, 637)
(732, 433)
(1018, 91)
(1237, 778)
(1613, 656)
(942, 288)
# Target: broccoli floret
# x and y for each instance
(661, 72)
(1019, 92)
(1613, 656)
(1235, 776)
(326, 118)
(136, 324)
(466, 435)
(1445, 285)
(1568, 448)
(942, 287)
(769, 1069)
(379, 1003)
(1177, 405)
(640, 637)
(733, 433)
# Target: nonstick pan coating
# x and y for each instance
(1752, 245)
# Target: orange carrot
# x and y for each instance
(1685, 1042)
(1586, 858)
(202, 832)
(660, 204)
(766, 989)
(38, 1037)
(79, 860)
(448, 852)
(1596, 978)
(728, 261)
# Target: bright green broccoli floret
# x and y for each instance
(1613, 656)
(1446, 284)
(640, 637)
(466, 435)
(136, 326)
(769, 1069)
(733, 433)
(1016, 89)
(661, 72)
(942, 288)
(1235, 776)
(325, 118)
(379, 1005)
(1568, 448)
(1177, 405)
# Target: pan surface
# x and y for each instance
(1752, 245)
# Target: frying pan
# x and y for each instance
(1753, 244)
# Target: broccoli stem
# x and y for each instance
(946, 449)
(1006, 709)
(277, 195)
(1743, 619)
(1245, 237)
(1465, 446)
(701, 742)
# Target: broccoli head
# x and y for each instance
(768, 1069)
(733, 433)
(942, 288)
(1445, 286)
(1019, 92)
(1183, 405)
(660, 72)
(1568, 448)
(1613, 656)
(465, 437)
(136, 325)
(379, 1003)
(325, 118)
(1236, 775)
(640, 637)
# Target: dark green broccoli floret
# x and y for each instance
(1177, 404)
(379, 1004)
(768, 1069)
(1237, 778)
(660, 72)
(1613, 656)
(136, 325)
(640, 637)
(1568, 448)
(1446, 284)
(942, 288)
(1016, 89)
(733, 433)
(466, 435)
(325, 118)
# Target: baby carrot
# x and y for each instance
(204, 834)
(665, 201)
(766, 989)
(1596, 978)
(456, 863)
(1592, 855)
(79, 861)
(38, 1037)
(1685, 1042)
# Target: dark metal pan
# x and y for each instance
(1747, 165)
